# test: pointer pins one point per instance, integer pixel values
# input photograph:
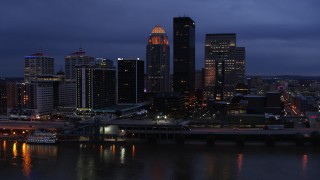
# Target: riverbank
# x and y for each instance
(312, 139)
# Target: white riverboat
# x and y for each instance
(39, 137)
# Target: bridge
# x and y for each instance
(179, 132)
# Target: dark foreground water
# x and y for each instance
(144, 161)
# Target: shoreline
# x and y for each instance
(172, 142)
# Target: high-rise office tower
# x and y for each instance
(37, 64)
(158, 61)
(130, 80)
(40, 96)
(46, 93)
(96, 87)
(55, 82)
(184, 56)
(76, 59)
(224, 66)
(36, 97)
(68, 88)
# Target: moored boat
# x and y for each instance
(39, 137)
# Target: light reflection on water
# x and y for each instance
(133, 151)
(26, 166)
(14, 150)
(240, 162)
(4, 144)
(113, 150)
(145, 161)
(304, 162)
(122, 155)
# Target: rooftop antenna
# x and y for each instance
(40, 50)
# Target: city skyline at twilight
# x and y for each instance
(280, 37)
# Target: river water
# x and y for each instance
(156, 161)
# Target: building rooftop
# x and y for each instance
(38, 54)
(79, 52)
(158, 30)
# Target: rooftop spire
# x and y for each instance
(80, 48)
(40, 50)
(39, 53)
(79, 52)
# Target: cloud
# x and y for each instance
(272, 31)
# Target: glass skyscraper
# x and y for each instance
(130, 81)
(184, 56)
(96, 86)
(224, 66)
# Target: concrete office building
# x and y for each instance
(68, 88)
(37, 64)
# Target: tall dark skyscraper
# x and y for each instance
(224, 66)
(158, 61)
(130, 80)
(96, 86)
(184, 56)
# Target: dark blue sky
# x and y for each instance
(280, 36)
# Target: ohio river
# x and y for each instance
(156, 161)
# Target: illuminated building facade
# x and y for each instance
(37, 64)
(26, 100)
(40, 96)
(22, 97)
(224, 66)
(184, 56)
(130, 81)
(158, 61)
(96, 87)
